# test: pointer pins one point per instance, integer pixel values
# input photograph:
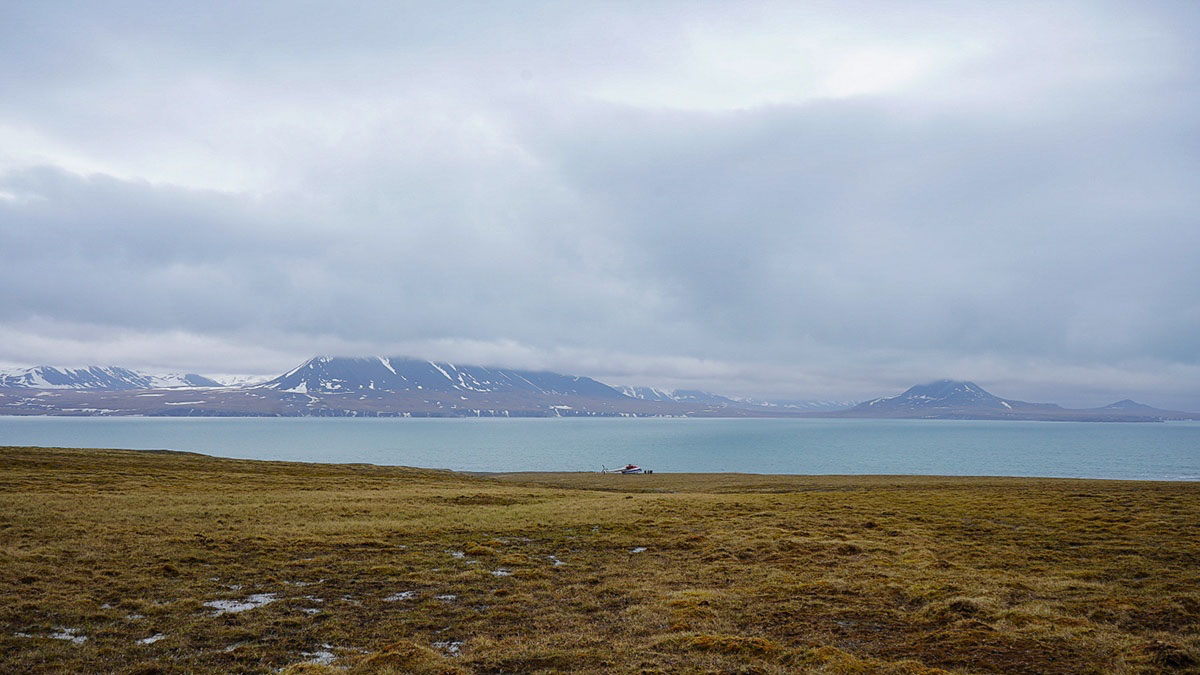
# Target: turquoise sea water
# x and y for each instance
(1166, 451)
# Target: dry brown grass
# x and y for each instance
(393, 570)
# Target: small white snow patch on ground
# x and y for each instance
(310, 610)
(321, 658)
(402, 595)
(313, 598)
(134, 617)
(305, 583)
(450, 648)
(71, 634)
(556, 561)
(232, 647)
(152, 639)
(446, 597)
(235, 606)
(638, 549)
(501, 573)
(234, 587)
(22, 635)
(457, 554)
(106, 606)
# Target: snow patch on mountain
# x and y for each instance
(99, 378)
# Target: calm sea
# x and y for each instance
(1166, 451)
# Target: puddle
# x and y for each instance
(501, 573)
(71, 634)
(402, 595)
(639, 549)
(450, 648)
(152, 639)
(235, 606)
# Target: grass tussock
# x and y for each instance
(156, 562)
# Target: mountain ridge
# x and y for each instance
(960, 399)
(405, 386)
(98, 377)
(340, 374)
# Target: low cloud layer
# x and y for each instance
(834, 201)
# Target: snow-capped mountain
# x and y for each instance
(326, 374)
(111, 378)
(945, 397)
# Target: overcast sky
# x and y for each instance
(818, 200)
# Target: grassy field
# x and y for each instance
(168, 562)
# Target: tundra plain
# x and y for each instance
(165, 562)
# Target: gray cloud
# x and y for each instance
(834, 200)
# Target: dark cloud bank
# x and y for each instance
(835, 200)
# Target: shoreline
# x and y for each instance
(658, 478)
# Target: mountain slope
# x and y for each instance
(325, 374)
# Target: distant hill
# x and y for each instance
(799, 405)
(1127, 405)
(110, 378)
(697, 396)
(952, 399)
(945, 395)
